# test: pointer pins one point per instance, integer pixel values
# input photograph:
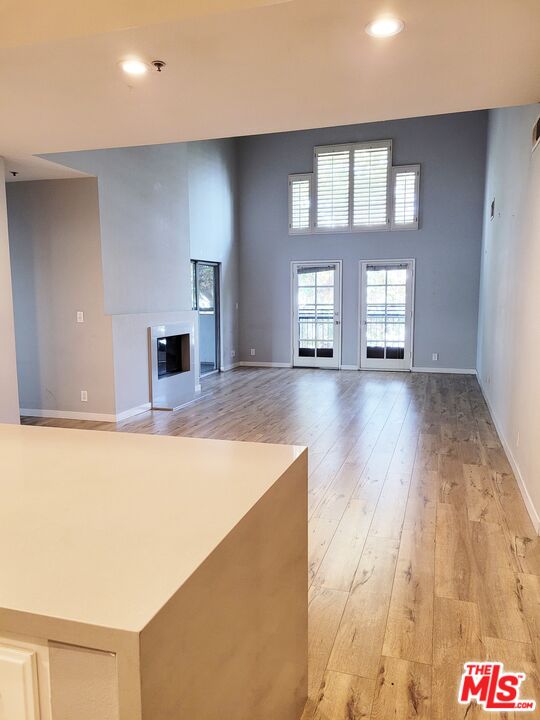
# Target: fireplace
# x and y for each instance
(173, 365)
(173, 355)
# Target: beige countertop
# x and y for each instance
(102, 528)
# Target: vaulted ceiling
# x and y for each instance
(238, 67)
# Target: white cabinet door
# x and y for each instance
(18, 684)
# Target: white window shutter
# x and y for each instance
(371, 174)
(300, 203)
(332, 169)
(406, 186)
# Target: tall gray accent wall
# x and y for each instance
(160, 206)
(144, 210)
(56, 270)
(119, 245)
(451, 150)
(213, 229)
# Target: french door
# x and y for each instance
(387, 314)
(316, 314)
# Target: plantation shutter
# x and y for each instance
(299, 203)
(406, 186)
(332, 168)
(371, 167)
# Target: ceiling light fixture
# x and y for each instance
(385, 27)
(134, 67)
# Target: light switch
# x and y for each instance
(80, 316)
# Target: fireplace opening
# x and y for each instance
(173, 355)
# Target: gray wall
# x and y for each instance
(9, 399)
(161, 206)
(144, 208)
(451, 151)
(56, 269)
(125, 235)
(509, 330)
(213, 228)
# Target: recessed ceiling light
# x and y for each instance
(385, 27)
(134, 67)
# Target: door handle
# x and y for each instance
(338, 322)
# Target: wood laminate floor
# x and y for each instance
(422, 555)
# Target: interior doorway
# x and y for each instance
(386, 292)
(205, 299)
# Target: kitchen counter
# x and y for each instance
(182, 558)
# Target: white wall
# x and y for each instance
(56, 268)
(9, 398)
(509, 316)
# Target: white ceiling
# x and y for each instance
(26, 22)
(262, 68)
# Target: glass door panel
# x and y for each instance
(205, 294)
(316, 314)
(387, 312)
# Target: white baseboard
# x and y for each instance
(533, 514)
(226, 368)
(67, 415)
(446, 371)
(133, 411)
(96, 417)
(244, 363)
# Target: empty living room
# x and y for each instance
(269, 404)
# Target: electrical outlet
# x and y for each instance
(434, 356)
(80, 316)
(84, 396)
(233, 353)
(252, 351)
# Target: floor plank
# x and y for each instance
(342, 697)
(455, 574)
(480, 494)
(325, 611)
(456, 640)
(516, 657)
(403, 691)
(529, 591)
(410, 618)
(357, 648)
